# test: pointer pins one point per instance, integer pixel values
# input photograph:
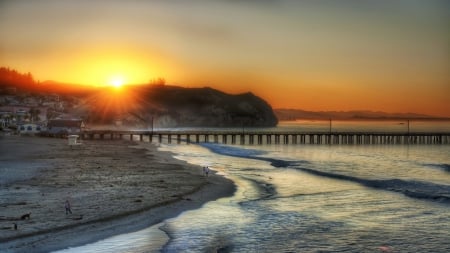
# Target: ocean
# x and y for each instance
(312, 198)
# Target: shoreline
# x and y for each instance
(140, 188)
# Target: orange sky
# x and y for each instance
(384, 55)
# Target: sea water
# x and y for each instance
(310, 198)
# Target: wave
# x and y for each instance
(442, 166)
(414, 189)
(267, 190)
(233, 151)
(248, 153)
(410, 188)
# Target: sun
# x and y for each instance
(116, 82)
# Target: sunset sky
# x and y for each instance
(381, 55)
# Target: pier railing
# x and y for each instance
(256, 137)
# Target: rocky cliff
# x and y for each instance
(177, 106)
(172, 106)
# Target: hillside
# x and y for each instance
(293, 114)
(138, 106)
(172, 106)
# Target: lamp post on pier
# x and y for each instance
(408, 126)
(330, 125)
(152, 125)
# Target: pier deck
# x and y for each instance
(255, 137)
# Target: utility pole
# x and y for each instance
(330, 125)
(408, 126)
(152, 124)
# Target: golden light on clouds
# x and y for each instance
(103, 65)
(112, 67)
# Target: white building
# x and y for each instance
(29, 129)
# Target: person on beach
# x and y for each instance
(67, 206)
(206, 171)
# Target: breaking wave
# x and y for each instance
(414, 189)
(441, 166)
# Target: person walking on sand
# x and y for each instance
(67, 206)
(206, 170)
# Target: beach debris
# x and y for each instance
(13, 204)
(80, 217)
(223, 249)
(9, 218)
(26, 216)
(14, 226)
(385, 248)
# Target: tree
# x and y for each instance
(158, 81)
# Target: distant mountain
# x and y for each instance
(172, 106)
(293, 114)
(24, 82)
(65, 88)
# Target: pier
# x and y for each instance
(259, 138)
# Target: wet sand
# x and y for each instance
(113, 187)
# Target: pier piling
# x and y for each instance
(287, 138)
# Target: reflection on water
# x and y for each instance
(146, 240)
(289, 209)
(349, 198)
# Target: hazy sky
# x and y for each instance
(388, 55)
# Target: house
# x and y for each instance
(64, 126)
(6, 118)
(29, 129)
(15, 114)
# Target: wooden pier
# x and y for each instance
(259, 138)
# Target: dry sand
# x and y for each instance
(113, 186)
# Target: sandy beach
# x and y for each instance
(113, 187)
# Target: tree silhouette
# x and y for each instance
(11, 77)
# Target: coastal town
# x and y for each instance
(28, 113)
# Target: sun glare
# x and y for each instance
(116, 82)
